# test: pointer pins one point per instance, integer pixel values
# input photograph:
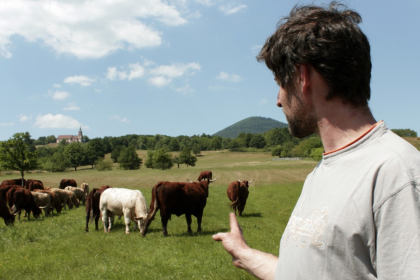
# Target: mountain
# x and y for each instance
(250, 125)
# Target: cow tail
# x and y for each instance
(154, 206)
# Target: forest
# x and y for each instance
(163, 152)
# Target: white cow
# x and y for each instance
(42, 200)
(123, 202)
(79, 192)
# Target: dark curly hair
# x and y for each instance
(329, 39)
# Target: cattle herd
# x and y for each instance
(178, 198)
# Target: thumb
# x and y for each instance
(219, 236)
(234, 226)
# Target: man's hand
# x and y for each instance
(233, 241)
(259, 264)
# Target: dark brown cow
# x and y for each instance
(4, 189)
(8, 218)
(205, 175)
(92, 205)
(34, 185)
(238, 192)
(67, 182)
(14, 182)
(20, 199)
(178, 198)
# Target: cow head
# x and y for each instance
(141, 224)
(245, 183)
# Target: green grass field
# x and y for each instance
(57, 247)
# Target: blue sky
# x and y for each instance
(174, 67)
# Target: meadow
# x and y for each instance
(57, 247)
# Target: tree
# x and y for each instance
(50, 139)
(58, 162)
(162, 159)
(405, 132)
(94, 150)
(177, 161)
(277, 151)
(173, 145)
(115, 154)
(16, 154)
(187, 158)
(75, 154)
(257, 141)
(149, 160)
(216, 143)
(129, 159)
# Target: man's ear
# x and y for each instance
(304, 77)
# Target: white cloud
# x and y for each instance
(86, 29)
(23, 118)
(159, 76)
(97, 90)
(118, 118)
(231, 8)
(263, 101)
(71, 107)
(185, 90)
(82, 80)
(205, 2)
(57, 121)
(136, 71)
(175, 70)
(57, 85)
(159, 81)
(229, 77)
(59, 95)
(6, 124)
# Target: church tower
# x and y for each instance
(80, 135)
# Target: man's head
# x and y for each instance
(330, 40)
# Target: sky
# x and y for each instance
(174, 67)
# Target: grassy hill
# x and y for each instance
(250, 125)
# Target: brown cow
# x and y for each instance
(205, 175)
(14, 182)
(22, 199)
(238, 192)
(8, 218)
(178, 198)
(67, 182)
(92, 205)
(5, 188)
(34, 185)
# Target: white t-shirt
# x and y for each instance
(358, 216)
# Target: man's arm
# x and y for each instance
(259, 264)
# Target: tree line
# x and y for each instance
(23, 153)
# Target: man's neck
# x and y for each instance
(340, 124)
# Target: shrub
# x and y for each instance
(103, 164)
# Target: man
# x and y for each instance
(358, 216)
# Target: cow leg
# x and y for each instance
(96, 221)
(199, 222)
(188, 218)
(105, 221)
(164, 225)
(87, 222)
(127, 221)
(111, 220)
